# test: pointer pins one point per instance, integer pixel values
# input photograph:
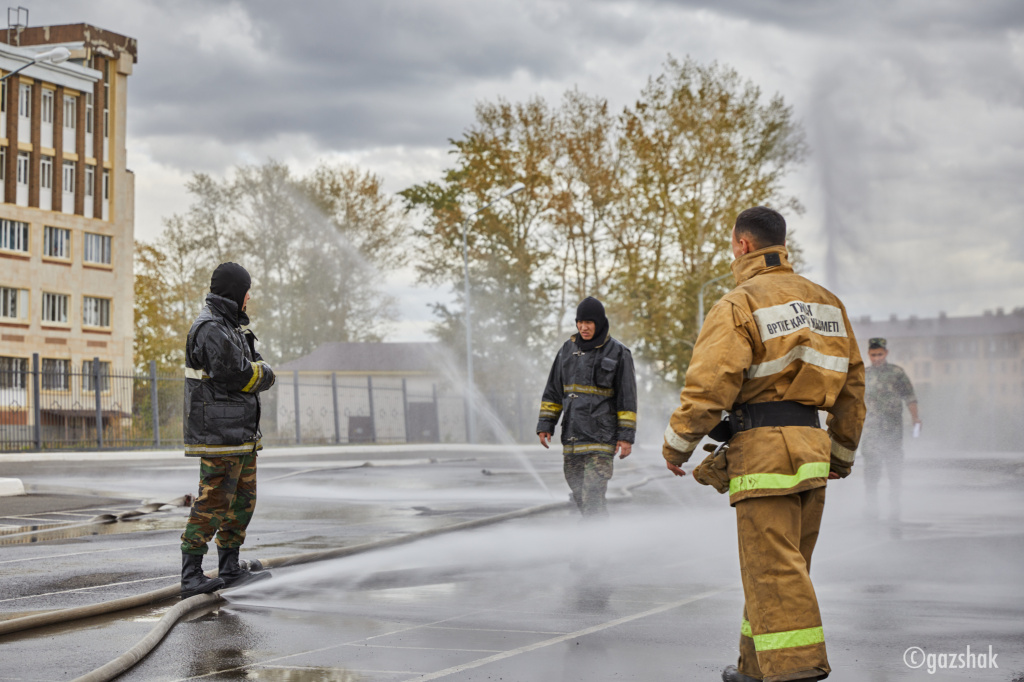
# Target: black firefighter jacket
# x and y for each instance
(223, 378)
(594, 392)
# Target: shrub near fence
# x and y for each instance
(44, 407)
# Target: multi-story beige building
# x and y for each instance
(968, 373)
(66, 219)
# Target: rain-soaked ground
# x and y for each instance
(652, 594)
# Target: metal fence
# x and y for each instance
(48, 405)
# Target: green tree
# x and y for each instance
(316, 247)
(697, 147)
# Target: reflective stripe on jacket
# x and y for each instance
(223, 377)
(776, 336)
(594, 393)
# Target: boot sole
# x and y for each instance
(205, 589)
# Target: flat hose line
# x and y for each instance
(186, 606)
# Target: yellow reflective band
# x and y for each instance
(788, 640)
(592, 390)
(627, 419)
(745, 629)
(778, 481)
(257, 372)
(550, 409)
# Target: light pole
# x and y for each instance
(56, 55)
(700, 299)
(470, 414)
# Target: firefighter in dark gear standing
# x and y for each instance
(224, 376)
(592, 387)
(772, 352)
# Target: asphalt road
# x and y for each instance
(652, 594)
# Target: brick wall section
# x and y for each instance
(36, 136)
(97, 140)
(11, 172)
(80, 147)
(58, 149)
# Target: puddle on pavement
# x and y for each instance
(49, 532)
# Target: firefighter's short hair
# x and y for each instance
(762, 225)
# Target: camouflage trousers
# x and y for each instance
(226, 501)
(588, 476)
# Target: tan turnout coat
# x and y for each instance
(776, 336)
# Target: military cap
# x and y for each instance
(877, 342)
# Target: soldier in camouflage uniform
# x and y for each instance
(224, 376)
(592, 387)
(887, 388)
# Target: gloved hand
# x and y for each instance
(840, 469)
(712, 470)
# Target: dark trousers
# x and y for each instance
(588, 476)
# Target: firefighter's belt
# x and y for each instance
(781, 413)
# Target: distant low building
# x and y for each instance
(369, 392)
(968, 372)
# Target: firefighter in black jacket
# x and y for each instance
(224, 376)
(592, 386)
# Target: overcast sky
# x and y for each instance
(914, 110)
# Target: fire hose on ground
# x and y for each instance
(128, 659)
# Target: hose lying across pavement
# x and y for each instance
(185, 606)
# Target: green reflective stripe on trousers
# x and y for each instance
(783, 640)
(778, 481)
(787, 640)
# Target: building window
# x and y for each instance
(46, 172)
(68, 187)
(88, 113)
(70, 112)
(56, 242)
(13, 372)
(14, 235)
(55, 308)
(96, 248)
(55, 374)
(87, 376)
(90, 181)
(13, 303)
(25, 101)
(3, 97)
(22, 180)
(46, 106)
(95, 312)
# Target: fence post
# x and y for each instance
(99, 405)
(405, 408)
(154, 400)
(337, 418)
(36, 411)
(373, 418)
(295, 384)
(437, 414)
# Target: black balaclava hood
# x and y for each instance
(592, 310)
(231, 281)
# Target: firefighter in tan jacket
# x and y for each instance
(772, 352)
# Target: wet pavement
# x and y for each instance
(652, 594)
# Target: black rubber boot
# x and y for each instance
(235, 574)
(731, 674)
(193, 580)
